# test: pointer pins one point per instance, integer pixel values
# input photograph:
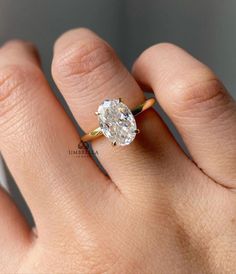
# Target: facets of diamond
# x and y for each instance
(117, 122)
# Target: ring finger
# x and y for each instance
(87, 72)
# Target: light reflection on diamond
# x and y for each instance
(117, 122)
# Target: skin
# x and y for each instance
(158, 211)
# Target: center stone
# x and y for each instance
(117, 122)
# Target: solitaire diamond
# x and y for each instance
(117, 122)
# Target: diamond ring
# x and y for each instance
(117, 122)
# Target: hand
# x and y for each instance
(158, 211)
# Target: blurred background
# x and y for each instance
(206, 28)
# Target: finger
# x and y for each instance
(15, 234)
(35, 138)
(87, 72)
(198, 104)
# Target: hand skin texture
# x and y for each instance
(158, 211)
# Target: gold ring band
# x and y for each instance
(137, 110)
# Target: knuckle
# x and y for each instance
(194, 94)
(11, 78)
(152, 51)
(82, 58)
(15, 81)
(165, 46)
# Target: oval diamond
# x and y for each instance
(117, 122)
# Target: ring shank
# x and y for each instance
(136, 111)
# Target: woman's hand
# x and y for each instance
(158, 211)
